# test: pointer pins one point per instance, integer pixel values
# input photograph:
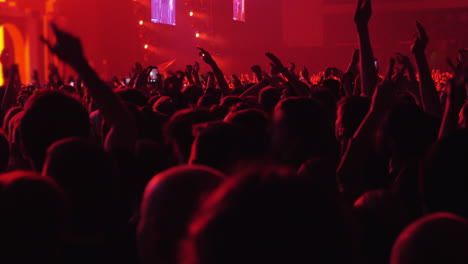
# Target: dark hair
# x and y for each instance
(171, 198)
(178, 130)
(268, 215)
(33, 214)
(48, 117)
(443, 178)
(219, 145)
(350, 113)
(302, 129)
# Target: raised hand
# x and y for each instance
(355, 58)
(196, 68)
(68, 47)
(420, 42)
(257, 70)
(305, 74)
(384, 94)
(363, 12)
(276, 64)
(292, 68)
(206, 56)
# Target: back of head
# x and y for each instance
(302, 129)
(408, 131)
(256, 124)
(437, 238)
(207, 101)
(350, 113)
(267, 216)
(178, 130)
(269, 97)
(50, 116)
(169, 203)
(164, 105)
(229, 101)
(443, 178)
(83, 170)
(32, 212)
(133, 96)
(192, 94)
(219, 145)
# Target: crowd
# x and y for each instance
(184, 167)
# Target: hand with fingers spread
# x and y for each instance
(363, 13)
(421, 40)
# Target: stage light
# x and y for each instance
(191, 13)
(141, 22)
(197, 35)
(146, 46)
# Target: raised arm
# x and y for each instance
(11, 90)
(456, 98)
(427, 89)
(354, 160)
(368, 72)
(300, 88)
(122, 134)
(222, 83)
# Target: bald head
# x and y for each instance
(169, 202)
(437, 238)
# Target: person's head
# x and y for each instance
(4, 152)
(350, 113)
(443, 178)
(408, 132)
(84, 172)
(169, 203)
(463, 117)
(434, 239)
(48, 117)
(267, 215)
(164, 105)
(178, 131)
(32, 215)
(8, 116)
(333, 86)
(256, 124)
(68, 89)
(220, 145)
(302, 129)
(229, 101)
(192, 94)
(132, 96)
(268, 98)
(207, 101)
